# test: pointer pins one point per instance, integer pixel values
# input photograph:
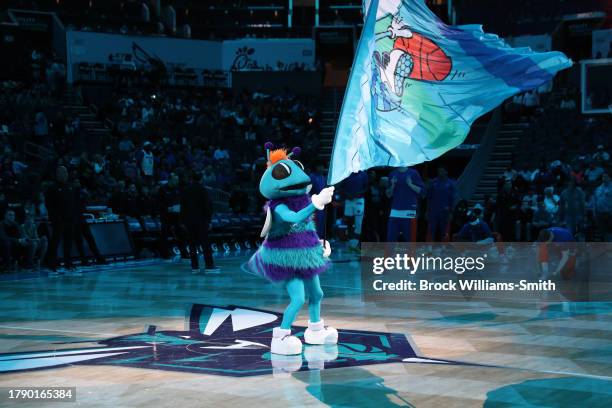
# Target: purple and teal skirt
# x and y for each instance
(296, 255)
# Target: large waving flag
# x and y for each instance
(417, 85)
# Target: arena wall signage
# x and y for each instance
(95, 48)
(260, 54)
(241, 55)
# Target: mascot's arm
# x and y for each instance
(319, 201)
(293, 217)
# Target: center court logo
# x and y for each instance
(229, 341)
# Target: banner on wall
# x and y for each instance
(239, 55)
(101, 48)
(249, 54)
(602, 43)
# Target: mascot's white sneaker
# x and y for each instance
(317, 356)
(317, 333)
(284, 343)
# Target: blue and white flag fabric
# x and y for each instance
(417, 85)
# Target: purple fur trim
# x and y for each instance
(278, 273)
(295, 203)
(304, 239)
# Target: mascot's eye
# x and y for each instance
(281, 171)
(299, 163)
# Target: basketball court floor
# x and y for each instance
(154, 335)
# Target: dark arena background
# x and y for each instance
(132, 144)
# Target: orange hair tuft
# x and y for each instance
(277, 155)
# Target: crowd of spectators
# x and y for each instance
(559, 176)
(576, 195)
(213, 132)
(157, 138)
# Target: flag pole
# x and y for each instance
(372, 9)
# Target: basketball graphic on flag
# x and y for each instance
(415, 57)
(430, 62)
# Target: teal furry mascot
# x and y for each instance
(292, 253)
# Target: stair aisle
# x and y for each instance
(508, 140)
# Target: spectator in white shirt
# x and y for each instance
(146, 159)
(551, 201)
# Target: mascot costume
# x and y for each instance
(292, 253)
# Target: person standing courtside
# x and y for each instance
(196, 212)
(169, 211)
(354, 188)
(440, 201)
(405, 190)
(63, 206)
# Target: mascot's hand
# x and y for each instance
(398, 28)
(326, 248)
(323, 198)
